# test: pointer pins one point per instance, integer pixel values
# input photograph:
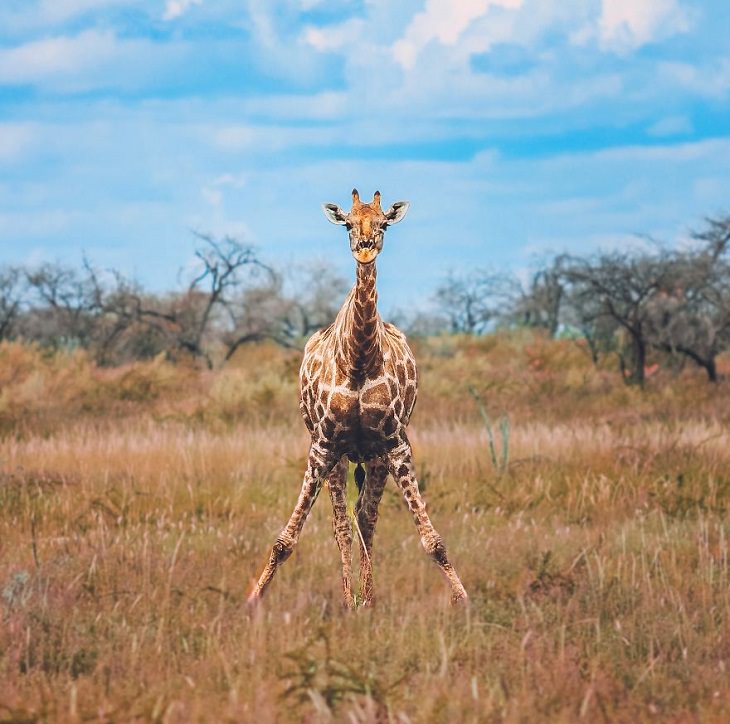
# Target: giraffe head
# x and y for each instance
(366, 224)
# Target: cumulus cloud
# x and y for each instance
(444, 21)
(625, 25)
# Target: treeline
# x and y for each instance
(645, 306)
(231, 299)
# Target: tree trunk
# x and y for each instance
(634, 375)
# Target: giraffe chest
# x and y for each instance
(362, 418)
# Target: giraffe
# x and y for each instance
(358, 385)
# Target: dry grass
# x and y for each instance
(137, 504)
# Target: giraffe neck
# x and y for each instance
(360, 352)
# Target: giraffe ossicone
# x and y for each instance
(357, 388)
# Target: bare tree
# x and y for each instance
(472, 302)
(618, 289)
(691, 315)
(315, 296)
(208, 308)
(421, 322)
(540, 304)
(11, 297)
(64, 302)
(286, 311)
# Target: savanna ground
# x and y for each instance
(137, 504)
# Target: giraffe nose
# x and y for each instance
(365, 251)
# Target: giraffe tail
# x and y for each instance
(359, 477)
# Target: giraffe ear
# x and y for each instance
(396, 212)
(334, 213)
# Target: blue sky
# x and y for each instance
(514, 127)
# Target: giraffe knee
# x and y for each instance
(282, 549)
(435, 547)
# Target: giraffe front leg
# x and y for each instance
(366, 510)
(319, 465)
(402, 470)
(337, 484)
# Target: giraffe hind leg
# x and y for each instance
(337, 484)
(403, 471)
(319, 466)
(366, 512)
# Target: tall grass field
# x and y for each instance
(588, 521)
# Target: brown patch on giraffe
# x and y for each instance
(378, 395)
(328, 427)
(390, 426)
(340, 405)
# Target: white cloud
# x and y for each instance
(445, 21)
(235, 138)
(213, 192)
(176, 8)
(625, 25)
(29, 15)
(91, 59)
(54, 11)
(234, 180)
(327, 105)
(706, 81)
(670, 126)
(54, 57)
(334, 37)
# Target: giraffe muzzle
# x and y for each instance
(365, 252)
